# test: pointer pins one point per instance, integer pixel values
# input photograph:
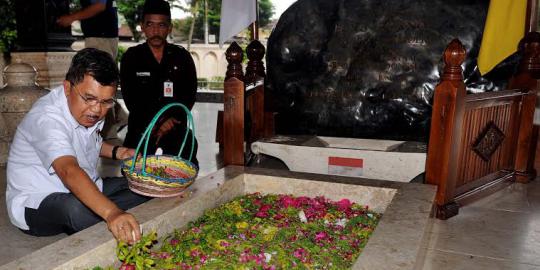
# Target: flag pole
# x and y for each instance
(255, 25)
(532, 18)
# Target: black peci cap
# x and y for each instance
(157, 7)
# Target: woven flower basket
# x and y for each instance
(163, 175)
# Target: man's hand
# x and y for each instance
(82, 187)
(124, 152)
(121, 152)
(88, 12)
(123, 226)
(166, 127)
(65, 20)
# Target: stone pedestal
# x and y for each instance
(51, 66)
(16, 99)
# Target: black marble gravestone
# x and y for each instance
(368, 68)
(36, 26)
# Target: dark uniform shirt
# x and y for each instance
(142, 79)
(104, 24)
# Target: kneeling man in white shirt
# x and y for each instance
(52, 181)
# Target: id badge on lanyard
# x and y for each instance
(168, 89)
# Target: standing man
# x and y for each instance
(154, 74)
(99, 24)
(52, 181)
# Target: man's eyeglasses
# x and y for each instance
(93, 101)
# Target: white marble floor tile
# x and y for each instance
(533, 194)
(440, 260)
(205, 118)
(512, 198)
(481, 231)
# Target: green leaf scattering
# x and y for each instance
(258, 231)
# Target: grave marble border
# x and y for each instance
(395, 244)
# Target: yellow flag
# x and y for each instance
(505, 26)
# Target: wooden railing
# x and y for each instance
(244, 117)
(480, 143)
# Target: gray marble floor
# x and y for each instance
(501, 231)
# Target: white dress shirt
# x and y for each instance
(47, 132)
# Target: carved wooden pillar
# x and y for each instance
(445, 128)
(234, 56)
(255, 68)
(529, 48)
(526, 79)
(233, 112)
(255, 95)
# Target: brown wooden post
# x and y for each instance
(446, 119)
(233, 104)
(255, 68)
(255, 100)
(234, 56)
(526, 79)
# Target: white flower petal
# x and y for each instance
(302, 216)
(267, 257)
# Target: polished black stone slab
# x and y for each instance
(367, 69)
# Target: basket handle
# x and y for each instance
(146, 136)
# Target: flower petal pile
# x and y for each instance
(271, 232)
